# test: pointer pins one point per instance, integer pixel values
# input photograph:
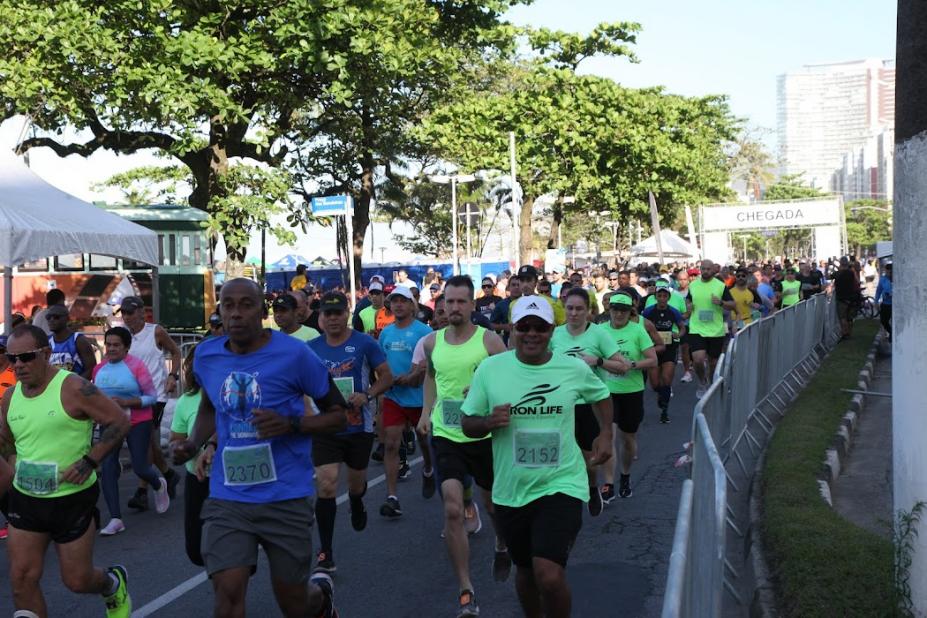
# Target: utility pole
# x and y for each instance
(909, 356)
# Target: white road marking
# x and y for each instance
(183, 588)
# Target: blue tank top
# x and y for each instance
(64, 355)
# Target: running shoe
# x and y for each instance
(408, 437)
(428, 485)
(139, 501)
(608, 493)
(115, 526)
(466, 605)
(324, 563)
(624, 487)
(595, 501)
(391, 508)
(664, 417)
(358, 516)
(173, 479)
(377, 454)
(700, 392)
(161, 497)
(686, 377)
(472, 521)
(4, 531)
(501, 565)
(118, 604)
(323, 581)
(405, 470)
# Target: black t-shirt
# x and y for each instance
(845, 285)
(813, 278)
(486, 304)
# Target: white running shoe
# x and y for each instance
(115, 526)
(472, 521)
(686, 377)
(161, 499)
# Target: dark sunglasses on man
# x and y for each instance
(23, 357)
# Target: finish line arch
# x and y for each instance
(717, 222)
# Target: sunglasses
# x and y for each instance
(23, 357)
(538, 328)
(620, 308)
(488, 286)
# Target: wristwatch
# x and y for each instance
(369, 397)
(599, 362)
(633, 364)
(296, 424)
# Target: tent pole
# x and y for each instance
(155, 296)
(7, 299)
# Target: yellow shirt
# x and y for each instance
(298, 282)
(743, 304)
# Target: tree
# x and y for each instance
(792, 242)
(586, 137)
(868, 222)
(751, 163)
(211, 82)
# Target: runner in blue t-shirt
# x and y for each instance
(353, 359)
(254, 382)
(402, 404)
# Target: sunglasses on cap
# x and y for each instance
(23, 357)
(527, 327)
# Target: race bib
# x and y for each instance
(791, 292)
(37, 477)
(450, 411)
(248, 465)
(706, 315)
(537, 449)
(666, 336)
(345, 387)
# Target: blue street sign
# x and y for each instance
(331, 205)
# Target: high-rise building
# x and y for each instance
(828, 112)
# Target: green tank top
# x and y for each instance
(707, 318)
(791, 292)
(368, 316)
(454, 367)
(48, 441)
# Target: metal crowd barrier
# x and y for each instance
(764, 367)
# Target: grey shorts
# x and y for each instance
(232, 532)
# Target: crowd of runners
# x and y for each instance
(524, 398)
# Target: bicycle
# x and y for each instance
(868, 308)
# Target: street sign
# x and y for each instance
(331, 205)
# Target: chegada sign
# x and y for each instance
(798, 213)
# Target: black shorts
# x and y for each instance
(668, 355)
(628, 410)
(64, 519)
(157, 413)
(585, 426)
(714, 346)
(353, 450)
(544, 528)
(455, 460)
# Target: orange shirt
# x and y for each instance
(7, 379)
(383, 319)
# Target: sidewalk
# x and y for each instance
(862, 493)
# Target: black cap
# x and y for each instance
(333, 301)
(285, 301)
(528, 271)
(130, 304)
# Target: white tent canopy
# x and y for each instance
(38, 220)
(672, 244)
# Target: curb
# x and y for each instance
(763, 604)
(843, 437)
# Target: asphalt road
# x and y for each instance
(399, 568)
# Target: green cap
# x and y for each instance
(663, 283)
(620, 299)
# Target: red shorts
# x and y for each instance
(392, 414)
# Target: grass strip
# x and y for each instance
(823, 565)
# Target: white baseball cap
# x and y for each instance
(401, 290)
(375, 285)
(533, 305)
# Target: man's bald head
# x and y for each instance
(240, 285)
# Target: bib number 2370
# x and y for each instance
(537, 449)
(248, 465)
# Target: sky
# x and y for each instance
(731, 47)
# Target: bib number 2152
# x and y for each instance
(537, 449)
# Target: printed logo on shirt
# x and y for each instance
(575, 352)
(350, 349)
(241, 394)
(533, 403)
(339, 368)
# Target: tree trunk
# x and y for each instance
(525, 237)
(555, 224)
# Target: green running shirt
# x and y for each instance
(454, 366)
(632, 339)
(592, 341)
(537, 454)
